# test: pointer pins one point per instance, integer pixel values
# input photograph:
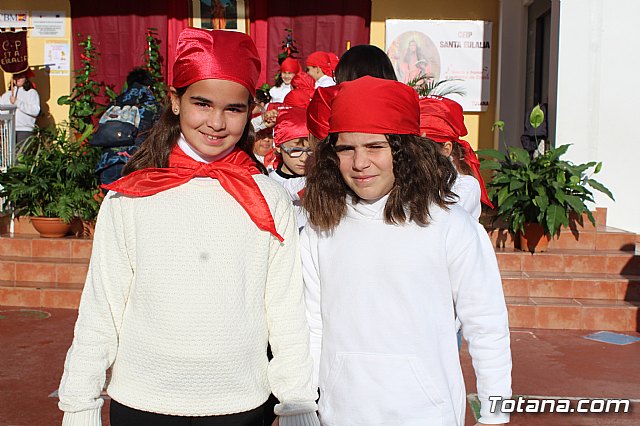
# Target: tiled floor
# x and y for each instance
(558, 363)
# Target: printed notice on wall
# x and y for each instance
(459, 51)
(14, 18)
(56, 58)
(47, 23)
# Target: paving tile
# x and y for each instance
(509, 261)
(12, 296)
(515, 286)
(60, 298)
(628, 290)
(36, 272)
(615, 241)
(15, 246)
(557, 301)
(605, 318)
(595, 289)
(71, 273)
(547, 262)
(558, 317)
(522, 315)
(585, 263)
(81, 248)
(53, 248)
(550, 288)
(7, 270)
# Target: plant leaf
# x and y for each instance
(521, 155)
(493, 153)
(598, 168)
(600, 187)
(536, 117)
(576, 203)
(499, 125)
(555, 217)
(489, 165)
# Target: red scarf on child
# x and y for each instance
(233, 171)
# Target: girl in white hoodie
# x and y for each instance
(387, 259)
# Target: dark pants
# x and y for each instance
(121, 415)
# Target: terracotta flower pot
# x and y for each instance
(50, 227)
(534, 239)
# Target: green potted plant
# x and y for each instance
(53, 179)
(537, 196)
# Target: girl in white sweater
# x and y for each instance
(387, 259)
(195, 268)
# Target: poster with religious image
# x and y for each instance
(220, 15)
(436, 50)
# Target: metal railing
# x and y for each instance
(7, 136)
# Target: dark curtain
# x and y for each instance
(320, 25)
(118, 30)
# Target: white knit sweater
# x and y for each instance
(182, 294)
(381, 301)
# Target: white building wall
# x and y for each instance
(598, 104)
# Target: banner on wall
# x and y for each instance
(13, 51)
(47, 23)
(56, 57)
(14, 18)
(444, 50)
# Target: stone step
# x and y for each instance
(614, 262)
(46, 297)
(573, 314)
(571, 285)
(34, 271)
(600, 238)
(26, 245)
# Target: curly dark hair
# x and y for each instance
(423, 177)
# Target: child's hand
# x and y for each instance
(276, 422)
(269, 118)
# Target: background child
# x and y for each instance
(291, 138)
(288, 69)
(195, 267)
(386, 260)
(442, 121)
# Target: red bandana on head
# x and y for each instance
(290, 124)
(290, 65)
(233, 171)
(441, 120)
(319, 110)
(320, 59)
(216, 54)
(375, 105)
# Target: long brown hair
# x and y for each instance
(163, 136)
(423, 177)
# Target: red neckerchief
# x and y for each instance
(471, 159)
(233, 171)
(271, 159)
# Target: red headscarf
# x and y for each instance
(305, 82)
(233, 171)
(297, 98)
(319, 110)
(290, 124)
(441, 120)
(216, 54)
(290, 65)
(320, 59)
(375, 105)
